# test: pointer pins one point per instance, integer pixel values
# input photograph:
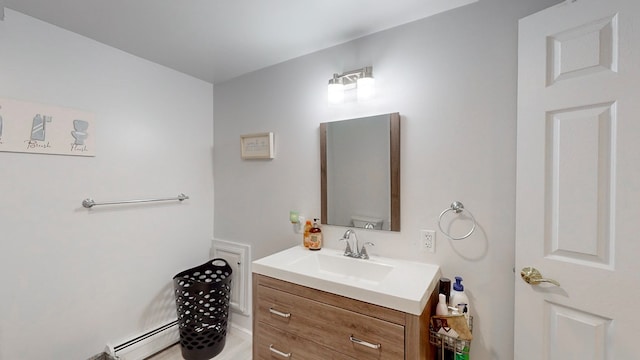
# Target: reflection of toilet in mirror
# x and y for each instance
(365, 222)
(80, 131)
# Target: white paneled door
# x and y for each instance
(578, 183)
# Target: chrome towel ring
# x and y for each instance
(457, 207)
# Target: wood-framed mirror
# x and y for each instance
(360, 172)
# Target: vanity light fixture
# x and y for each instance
(335, 91)
(360, 79)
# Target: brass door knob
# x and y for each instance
(533, 277)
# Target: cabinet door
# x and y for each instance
(347, 332)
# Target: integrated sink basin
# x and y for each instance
(397, 284)
(341, 267)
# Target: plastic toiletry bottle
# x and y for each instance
(445, 288)
(458, 298)
(441, 308)
(306, 240)
(462, 350)
(315, 236)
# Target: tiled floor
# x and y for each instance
(237, 347)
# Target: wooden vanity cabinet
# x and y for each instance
(296, 322)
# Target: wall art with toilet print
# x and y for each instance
(28, 127)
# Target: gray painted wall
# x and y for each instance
(453, 79)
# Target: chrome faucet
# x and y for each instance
(356, 251)
(348, 250)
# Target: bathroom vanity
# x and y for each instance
(321, 305)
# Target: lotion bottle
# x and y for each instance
(441, 308)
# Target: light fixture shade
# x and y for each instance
(360, 79)
(366, 88)
(335, 93)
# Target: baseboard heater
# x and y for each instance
(147, 344)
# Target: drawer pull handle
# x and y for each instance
(276, 351)
(364, 343)
(279, 313)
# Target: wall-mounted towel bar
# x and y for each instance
(89, 203)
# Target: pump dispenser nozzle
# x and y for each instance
(458, 284)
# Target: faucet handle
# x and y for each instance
(347, 250)
(363, 251)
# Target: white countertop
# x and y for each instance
(397, 284)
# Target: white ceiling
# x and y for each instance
(216, 40)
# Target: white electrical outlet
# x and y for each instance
(428, 240)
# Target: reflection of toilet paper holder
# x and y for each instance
(366, 222)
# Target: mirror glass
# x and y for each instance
(360, 172)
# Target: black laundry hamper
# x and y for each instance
(202, 299)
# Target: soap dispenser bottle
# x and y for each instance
(306, 240)
(315, 236)
(458, 298)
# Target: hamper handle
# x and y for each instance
(226, 263)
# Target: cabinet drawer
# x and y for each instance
(274, 344)
(347, 332)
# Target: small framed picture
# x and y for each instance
(257, 146)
